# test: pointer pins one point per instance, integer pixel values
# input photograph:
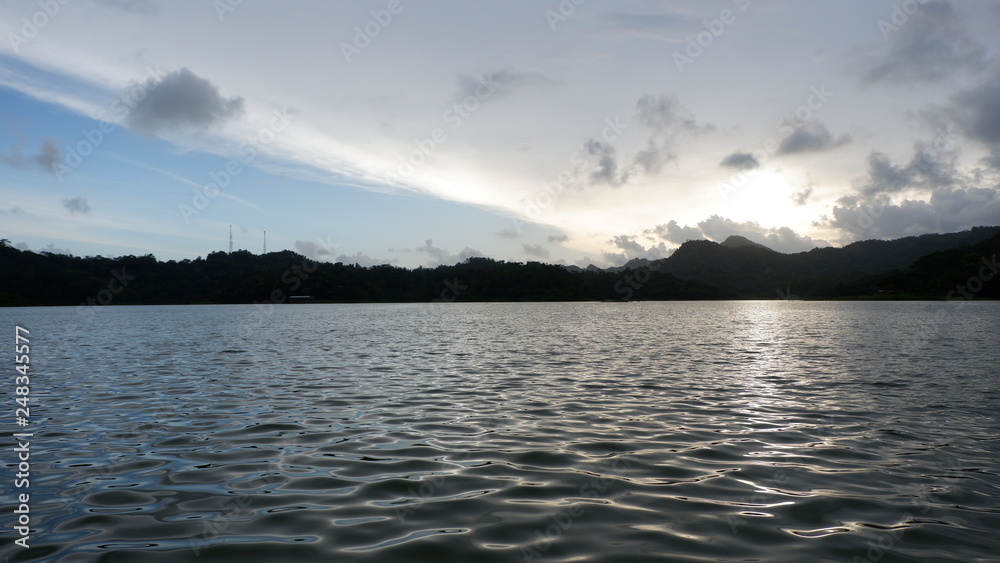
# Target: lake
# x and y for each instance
(669, 431)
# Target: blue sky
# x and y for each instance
(424, 133)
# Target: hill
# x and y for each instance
(924, 267)
(755, 271)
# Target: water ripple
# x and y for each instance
(784, 431)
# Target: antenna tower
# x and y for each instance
(230, 239)
(265, 242)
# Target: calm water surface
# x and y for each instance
(692, 431)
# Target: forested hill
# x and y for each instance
(27, 278)
(754, 271)
(925, 267)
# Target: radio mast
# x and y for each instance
(265, 242)
(230, 239)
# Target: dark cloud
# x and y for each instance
(810, 137)
(933, 164)
(782, 239)
(603, 161)
(975, 112)
(665, 119)
(940, 197)
(180, 102)
(47, 157)
(558, 238)
(441, 257)
(536, 250)
(948, 210)
(12, 211)
(740, 161)
(665, 114)
(509, 233)
(77, 205)
(931, 44)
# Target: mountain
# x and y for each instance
(736, 241)
(755, 271)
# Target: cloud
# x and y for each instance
(536, 250)
(631, 248)
(362, 260)
(975, 112)
(811, 137)
(800, 198)
(740, 161)
(946, 198)
(441, 257)
(509, 233)
(665, 114)
(948, 210)
(615, 258)
(313, 251)
(131, 6)
(558, 238)
(651, 159)
(934, 164)
(48, 155)
(782, 239)
(49, 248)
(672, 232)
(182, 101)
(77, 205)
(667, 119)
(603, 164)
(12, 211)
(931, 44)
(486, 86)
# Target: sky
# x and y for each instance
(562, 131)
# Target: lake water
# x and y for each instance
(685, 431)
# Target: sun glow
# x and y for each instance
(765, 197)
